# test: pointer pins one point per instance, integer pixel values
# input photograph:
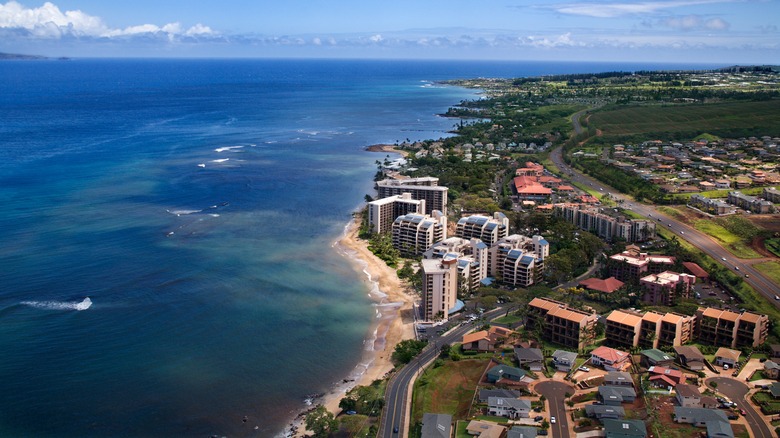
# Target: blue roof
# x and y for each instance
(543, 242)
(527, 260)
(487, 281)
(459, 305)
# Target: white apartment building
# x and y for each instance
(382, 212)
(518, 260)
(472, 257)
(415, 233)
(424, 188)
(439, 287)
(486, 229)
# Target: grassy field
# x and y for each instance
(773, 245)
(770, 269)
(448, 389)
(753, 191)
(730, 241)
(673, 212)
(719, 119)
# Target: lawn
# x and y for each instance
(508, 320)
(773, 245)
(730, 241)
(770, 269)
(448, 389)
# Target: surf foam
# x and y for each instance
(85, 304)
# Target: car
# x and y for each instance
(747, 276)
(733, 417)
(682, 232)
(777, 298)
(395, 429)
(542, 432)
(538, 418)
(736, 267)
(725, 366)
(723, 258)
(552, 420)
(585, 369)
(742, 411)
(670, 225)
(351, 412)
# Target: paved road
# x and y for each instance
(736, 391)
(396, 410)
(700, 240)
(555, 393)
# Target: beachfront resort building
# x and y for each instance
(730, 329)
(471, 256)
(423, 188)
(439, 287)
(486, 229)
(556, 322)
(415, 233)
(382, 212)
(519, 260)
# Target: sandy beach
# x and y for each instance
(394, 307)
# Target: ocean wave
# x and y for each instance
(227, 148)
(85, 304)
(221, 160)
(183, 212)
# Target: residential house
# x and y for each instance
(512, 408)
(774, 390)
(654, 357)
(624, 429)
(687, 396)
(531, 358)
(606, 286)
(663, 377)
(485, 340)
(690, 357)
(727, 356)
(610, 359)
(602, 412)
(505, 374)
(564, 360)
(714, 420)
(522, 432)
(436, 425)
(616, 395)
(771, 369)
(485, 394)
(618, 378)
(774, 350)
(485, 429)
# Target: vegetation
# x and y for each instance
(448, 388)
(407, 349)
(382, 246)
(321, 422)
(773, 245)
(365, 400)
(770, 269)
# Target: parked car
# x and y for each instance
(733, 417)
(541, 432)
(585, 369)
(538, 418)
(552, 420)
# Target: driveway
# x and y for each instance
(736, 391)
(555, 393)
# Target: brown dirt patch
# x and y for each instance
(757, 244)
(661, 422)
(769, 222)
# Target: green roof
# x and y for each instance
(624, 428)
(657, 355)
(775, 389)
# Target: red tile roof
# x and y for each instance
(696, 269)
(608, 285)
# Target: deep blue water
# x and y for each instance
(196, 203)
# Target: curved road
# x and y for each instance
(696, 238)
(555, 392)
(736, 391)
(396, 410)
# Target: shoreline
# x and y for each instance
(394, 317)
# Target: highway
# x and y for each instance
(684, 232)
(396, 409)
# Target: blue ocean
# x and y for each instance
(167, 260)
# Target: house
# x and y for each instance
(616, 395)
(654, 356)
(531, 358)
(719, 429)
(503, 372)
(610, 359)
(485, 429)
(663, 377)
(607, 286)
(713, 419)
(564, 360)
(512, 408)
(601, 412)
(618, 378)
(522, 432)
(771, 369)
(690, 357)
(624, 429)
(485, 394)
(774, 389)
(436, 425)
(478, 341)
(727, 356)
(687, 396)
(775, 350)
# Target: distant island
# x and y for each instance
(17, 56)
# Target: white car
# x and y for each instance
(552, 420)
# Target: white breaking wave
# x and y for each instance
(60, 305)
(227, 148)
(183, 212)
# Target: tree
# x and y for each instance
(406, 350)
(321, 422)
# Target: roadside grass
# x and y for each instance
(773, 245)
(460, 429)
(673, 212)
(770, 269)
(508, 320)
(447, 389)
(730, 241)
(724, 193)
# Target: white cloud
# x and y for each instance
(694, 22)
(612, 10)
(48, 21)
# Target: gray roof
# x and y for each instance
(719, 429)
(567, 355)
(506, 372)
(529, 354)
(700, 415)
(485, 394)
(600, 410)
(618, 376)
(521, 432)
(616, 392)
(516, 403)
(690, 352)
(436, 425)
(686, 390)
(624, 428)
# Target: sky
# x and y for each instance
(707, 31)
